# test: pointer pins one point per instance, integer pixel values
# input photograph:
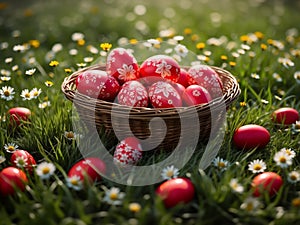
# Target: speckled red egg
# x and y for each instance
(18, 114)
(251, 136)
(11, 180)
(160, 66)
(285, 116)
(23, 160)
(122, 65)
(89, 169)
(97, 84)
(128, 152)
(164, 95)
(195, 95)
(206, 77)
(134, 94)
(176, 191)
(269, 182)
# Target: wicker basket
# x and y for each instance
(98, 112)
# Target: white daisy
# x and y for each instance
(26, 95)
(75, 183)
(181, 50)
(21, 161)
(257, 166)
(30, 72)
(296, 127)
(2, 159)
(283, 159)
(220, 163)
(70, 135)
(251, 204)
(113, 196)
(44, 104)
(10, 147)
(35, 92)
(169, 172)
(293, 177)
(45, 169)
(297, 76)
(289, 151)
(7, 93)
(236, 186)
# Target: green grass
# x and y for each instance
(53, 22)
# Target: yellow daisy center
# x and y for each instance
(45, 170)
(6, 93)
(113, 196)
(257, 167)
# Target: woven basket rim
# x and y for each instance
(68, 87)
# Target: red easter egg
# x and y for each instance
(164, 95)
(266, 182)
(183, 78)
(134, 94)
(251, 136)
(11, 180)
(195, 95)
(160, 66)
(23, 160)
(179, 88)
(206, 77)
(176, 191)
(18, 114)
(89, 168)
(97, 84)
(122, 65)
(285, 115)
(128, 152)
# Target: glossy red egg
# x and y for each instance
(195, 95)
(134, 94)
(11, 180)
(160, 66)
(269, 182)
(128, 152)
(164, 95)
(97, 84)
(183, 78)
(176, 191)
(206, 77)
(89, 168)
(23, 160)
(285, 115)
(122, 65)
(19, 114)
(251, 136)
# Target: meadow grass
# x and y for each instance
(257, 41)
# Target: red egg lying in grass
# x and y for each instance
(23, 160)
(97, 84)
(176, 191)
(128, 152)
(88, 169)
(251, 136)
(267, 182)
(19, 115)
(11, 180)
(122, 65)
(285, 116)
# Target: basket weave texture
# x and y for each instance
(96, 112)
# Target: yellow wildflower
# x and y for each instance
(106, 46)
(54, 63)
